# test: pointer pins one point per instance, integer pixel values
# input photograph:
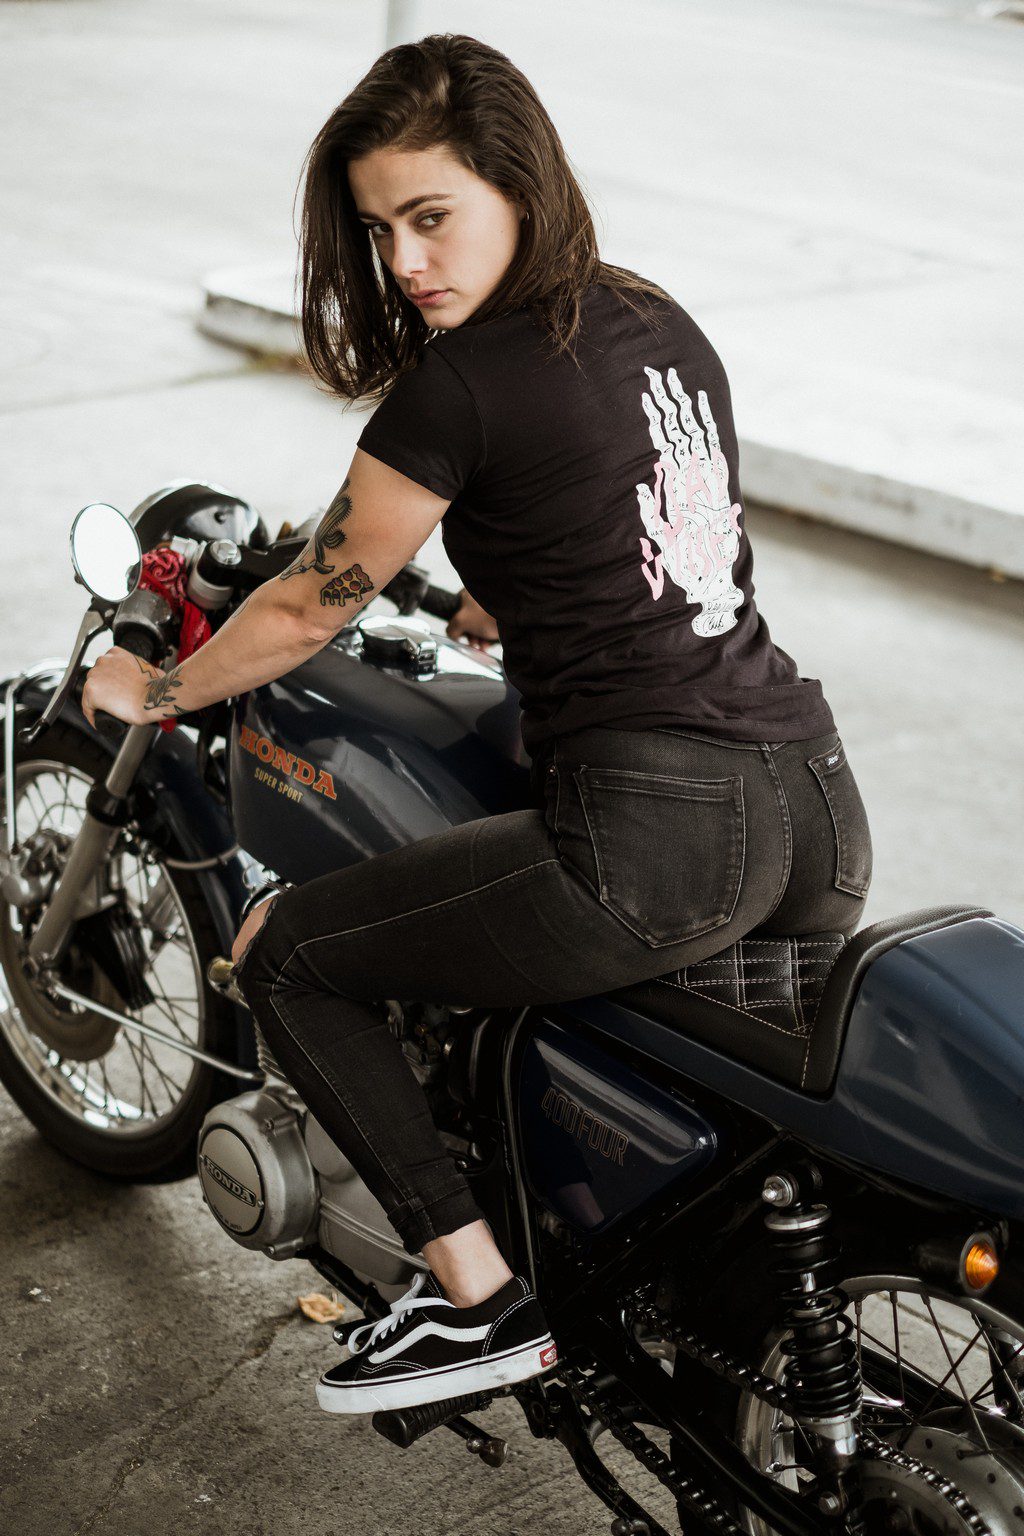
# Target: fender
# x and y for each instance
(198, 824)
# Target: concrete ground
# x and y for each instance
(156, 1377)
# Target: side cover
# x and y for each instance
(597, 1139)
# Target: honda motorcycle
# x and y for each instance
(771, 1204)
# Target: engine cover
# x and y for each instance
(255, 1173)
(353, 1224)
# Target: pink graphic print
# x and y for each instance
(693, 530)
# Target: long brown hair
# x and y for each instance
(360, 331)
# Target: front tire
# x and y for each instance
(109, 1098)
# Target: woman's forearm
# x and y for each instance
(261, 641)
(290, 618)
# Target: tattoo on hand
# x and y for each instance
(328, 535)
(351, 583)
(160, 690)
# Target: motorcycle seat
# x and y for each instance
(781, 1003)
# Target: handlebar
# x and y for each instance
(251, 568)
(441, 603)
(409, 590)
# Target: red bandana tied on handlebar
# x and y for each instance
(163, 572)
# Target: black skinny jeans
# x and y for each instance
(647, 850)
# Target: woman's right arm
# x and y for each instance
(474, 622)
(376, 524)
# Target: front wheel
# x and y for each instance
(113, 1099)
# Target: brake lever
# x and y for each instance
(91, 624)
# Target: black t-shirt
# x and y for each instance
(596, 514)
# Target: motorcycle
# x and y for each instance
(771, 1204)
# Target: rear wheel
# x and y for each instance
(944, 1404)
(943, 1409)
(111, 1098)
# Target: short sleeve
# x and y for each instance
(429, 428)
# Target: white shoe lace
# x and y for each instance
(399, 1309)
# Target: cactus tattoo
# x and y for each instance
(328, 535)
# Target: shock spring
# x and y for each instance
(822, 1373)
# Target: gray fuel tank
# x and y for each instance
(376, 741)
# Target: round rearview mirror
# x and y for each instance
(105, 552)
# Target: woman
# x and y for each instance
(572, 427)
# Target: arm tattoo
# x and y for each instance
(328, 535)
(161, 689)
(351, 583)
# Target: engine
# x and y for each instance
(275, 1181)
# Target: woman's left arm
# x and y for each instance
(376, 523)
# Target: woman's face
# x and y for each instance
(437, 226)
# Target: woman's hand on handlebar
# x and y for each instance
(474, 622)
(116, 683)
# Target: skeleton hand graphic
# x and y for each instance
(689, 517)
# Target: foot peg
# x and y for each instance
(220, 973)
(404, 1426)
(341, 1331)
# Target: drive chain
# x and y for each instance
(687, 1493)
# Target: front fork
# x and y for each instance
(78, 885)
(106, 811)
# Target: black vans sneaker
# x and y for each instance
(428, 1349)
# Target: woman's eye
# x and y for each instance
(373, 228)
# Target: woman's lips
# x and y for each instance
(434, 297)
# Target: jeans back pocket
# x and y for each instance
(669, 852)
(849, 819)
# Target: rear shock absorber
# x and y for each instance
(822, 1373)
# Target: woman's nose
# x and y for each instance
(408, 256)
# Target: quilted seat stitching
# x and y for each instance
(727, 981)
(795, 1033)
(763, 960)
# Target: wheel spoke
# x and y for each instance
(148, 1050)
(953, 1369)
(955, 1372)
(896, 1338)
(139, 1060)
(919, 1371)
(171, 1017)
(994, 1354)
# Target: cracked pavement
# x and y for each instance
(159, 1380)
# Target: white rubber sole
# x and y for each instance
(433, 1386)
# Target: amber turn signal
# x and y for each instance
(981, 1264)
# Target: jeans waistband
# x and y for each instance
(690, 733)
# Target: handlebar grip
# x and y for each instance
(140, 643)
(441, 603)
(108, 725)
